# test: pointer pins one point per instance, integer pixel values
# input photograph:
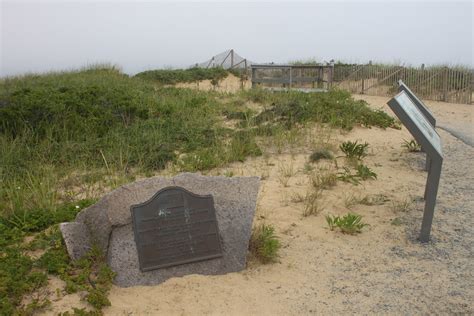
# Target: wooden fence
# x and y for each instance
(300, 77)
(435, 83)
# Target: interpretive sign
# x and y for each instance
(425, 134)
(175, 227)
(423, 109)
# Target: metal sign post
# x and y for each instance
(424, 133)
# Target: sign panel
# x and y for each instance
(419, 104)
(406, 104)
(175, 227)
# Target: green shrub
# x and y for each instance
(349, 224)
(319, 154)
(172, 76)
(20, 274)
(98, 298)
(17, 278)
(264, 245)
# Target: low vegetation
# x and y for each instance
(336, 108)
(349, 224)
(67, 137)
(362, 173)
(354, 150)
(172, 76)
(402, 205)
(411, 146)
(319, 154)
(312, 203)
(21, 274)
(369, 200)
(264, 244)
(323, 180)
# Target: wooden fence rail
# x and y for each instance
(435, 83)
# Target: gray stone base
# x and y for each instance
(108, 224)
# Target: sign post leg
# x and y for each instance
(431, 192)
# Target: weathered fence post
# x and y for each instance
(445, 84)
(330, 76)
(253, 77)
(291, 77)
(363, 77)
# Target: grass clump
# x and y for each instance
(369, 200)
(319, 154)
(264, 244)
(349, 224)
(354, 150)
(323, 180)
(401, 206)
(312, 205)
(285, 172)
(411, 146)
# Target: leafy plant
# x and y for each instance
(411, 146)
(365, 172)
(347, 176)
(349, 224)
(354, 149)
(264, 244)
(362, 173)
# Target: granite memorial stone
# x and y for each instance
(109, 225)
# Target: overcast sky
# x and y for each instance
(38, 36)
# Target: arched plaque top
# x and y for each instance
(170, 188)
(175, 226)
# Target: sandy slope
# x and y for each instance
(382, 270)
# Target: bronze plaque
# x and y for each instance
(175, 227)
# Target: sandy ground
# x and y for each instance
(383, 270)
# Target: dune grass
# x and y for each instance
(172, 76)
